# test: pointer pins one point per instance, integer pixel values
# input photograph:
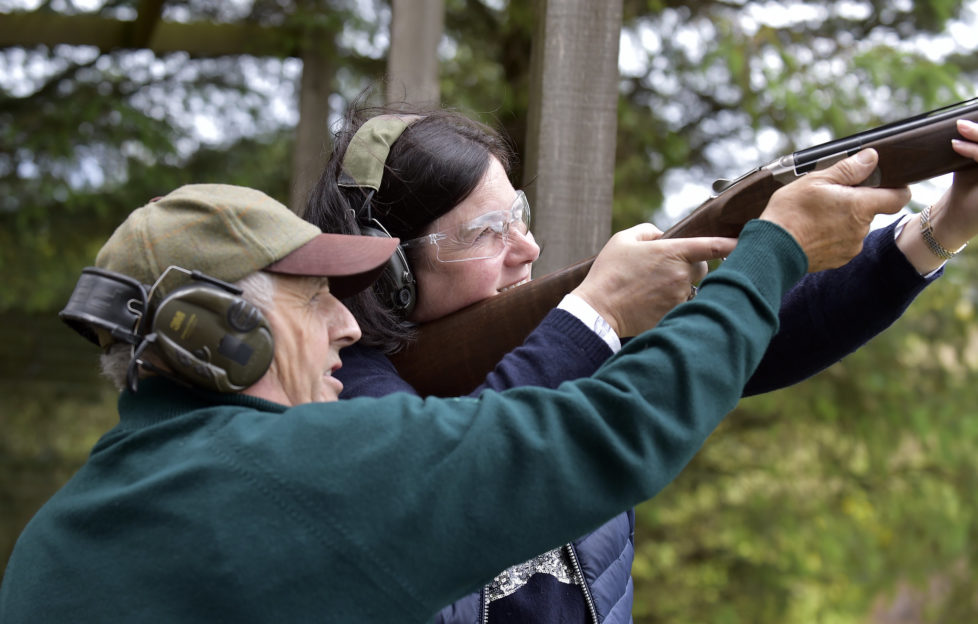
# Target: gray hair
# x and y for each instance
(258, 288)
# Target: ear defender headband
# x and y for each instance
(204, 331)
(363, 167)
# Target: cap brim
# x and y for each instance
(351, 263)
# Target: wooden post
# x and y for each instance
(312, 140)
(572, 122)
(412, 62)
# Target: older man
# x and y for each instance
(235, 488)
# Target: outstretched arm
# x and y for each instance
(828, 315)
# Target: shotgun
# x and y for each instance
(452, 355)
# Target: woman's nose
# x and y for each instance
(521, 248)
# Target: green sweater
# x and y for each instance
(201, 507)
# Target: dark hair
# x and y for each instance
(432, 167)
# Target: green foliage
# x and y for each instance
(490, 80)
(101, 136)
(818, 502)
(43, 247)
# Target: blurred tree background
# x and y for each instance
(848, 498)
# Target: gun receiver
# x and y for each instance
(452, 355)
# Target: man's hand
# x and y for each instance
(637, 279)
(828, 215)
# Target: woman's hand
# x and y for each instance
(637, 278)
(954, 217)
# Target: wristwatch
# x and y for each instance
(927, 231)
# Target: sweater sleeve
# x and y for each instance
(830, 314)
(559, 349)
(462, 488)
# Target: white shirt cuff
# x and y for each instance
(594, 321)
(896, 233)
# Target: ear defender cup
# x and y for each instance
(212, 338)
(396, 285)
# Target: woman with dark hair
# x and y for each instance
(428, 172)
(439, 182)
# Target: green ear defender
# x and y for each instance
(363, 168)
(204, 331)
(211, 337)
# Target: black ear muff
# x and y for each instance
(212, 338)
(105, 307)
(396, 285)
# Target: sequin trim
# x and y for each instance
(555, 563)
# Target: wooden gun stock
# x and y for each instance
(452, 355)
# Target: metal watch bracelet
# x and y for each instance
(927, 232)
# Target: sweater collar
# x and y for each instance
(159, 399)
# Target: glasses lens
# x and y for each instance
(480, 238)
(520, 213)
